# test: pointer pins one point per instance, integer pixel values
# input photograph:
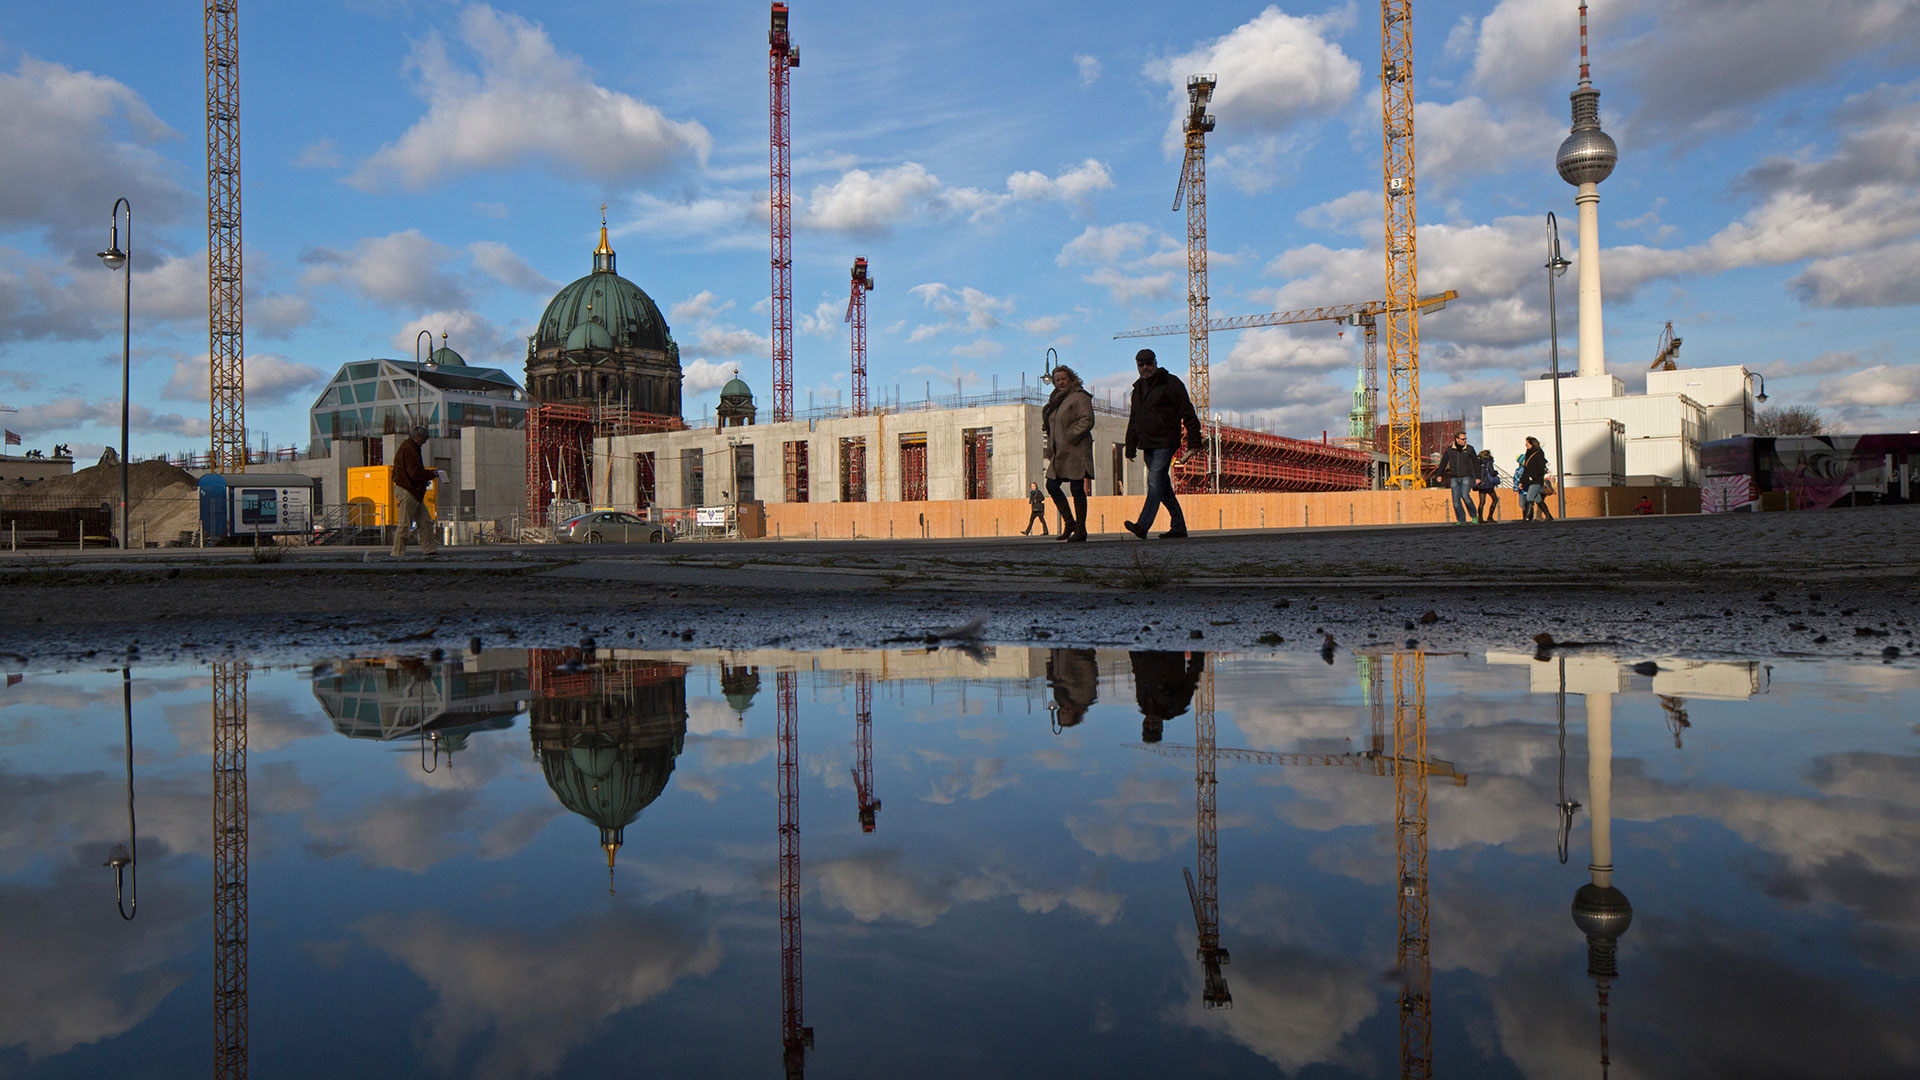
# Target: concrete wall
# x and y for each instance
(15, 467)
(1106, 514)
(1016, 457)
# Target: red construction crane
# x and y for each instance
(1205, 897)
(795, 1037)
(781, 56)
(857, 318)
(863, 750)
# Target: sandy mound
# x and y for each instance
(164, 499)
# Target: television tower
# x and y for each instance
(1586, 158)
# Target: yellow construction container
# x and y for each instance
(370, 501)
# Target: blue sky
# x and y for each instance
(1007, 169)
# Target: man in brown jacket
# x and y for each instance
(410, 480)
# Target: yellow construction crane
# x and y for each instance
(226, 349)
(1665, 357)
(1205, 897)
(1410, 864)
(1364, 315)
(229, 869)
(1404, 466)
(1193, 185)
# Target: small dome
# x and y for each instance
(588, 335)
(736, 388)
(445, 357)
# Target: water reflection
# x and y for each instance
(1024, 872)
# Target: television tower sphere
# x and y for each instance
(1588, 154)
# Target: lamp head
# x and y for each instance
(1761, 396)
(1558, 265)
(114, 257)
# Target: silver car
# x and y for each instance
(611, 527)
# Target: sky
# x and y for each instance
(1007, 169)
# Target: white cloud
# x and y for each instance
(968, 306)
(715, 340)
(504, 265)
(403, 269)
(320, 154)
(699, 376)
(478, 340)
(54, 419)
(523, 101)
(1888, 277)
(1880, 385)
(1132, 289)
(1089, 68)
(1275, 71)
(1109, 243)
(701, 305)
(979, 349)
(871, 204)
(270, 379)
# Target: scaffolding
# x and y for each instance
(560, 449)
(1243, 460)
(853, 469)
(913, 467)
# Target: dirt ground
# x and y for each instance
(1830, 583)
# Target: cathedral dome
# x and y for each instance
(621, 311)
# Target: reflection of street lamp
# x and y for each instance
(1556, 266)
(117, 260)
(121, 857)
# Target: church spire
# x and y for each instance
(603, 255)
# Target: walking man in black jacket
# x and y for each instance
(1160, 410)
(1459, 465)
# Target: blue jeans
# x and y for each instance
(1160, 490)
(1463, 499)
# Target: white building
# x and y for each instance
(1612, 437)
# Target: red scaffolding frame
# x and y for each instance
(1257, 461)
(560, 448)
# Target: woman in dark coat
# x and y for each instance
(1533, 477)
(1067, 423)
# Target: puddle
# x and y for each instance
(547, 862)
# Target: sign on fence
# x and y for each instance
(710, 517)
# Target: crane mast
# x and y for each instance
(1404, 467)
(781, 56)
(1193, 184)
(226, 350)
(229, 869)
(795, 1037)
(863, 751)
(1410, 863)
(1206, 896)
(862, 284)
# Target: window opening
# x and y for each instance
(853, 470)
(913, 467)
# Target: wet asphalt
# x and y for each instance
(1823, 584)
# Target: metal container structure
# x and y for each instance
(370, 502)
(1724, 393)
(255, 504)
(1596, 449)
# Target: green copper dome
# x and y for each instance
(735, 388)
(445, 357)
(614, 306)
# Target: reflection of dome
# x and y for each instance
(607, 738)
(1603, 914)
(739, 685)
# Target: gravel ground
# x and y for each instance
(1839, 583)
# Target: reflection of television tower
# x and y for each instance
(1586, 158)
(1600, 910)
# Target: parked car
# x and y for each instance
(611, 527)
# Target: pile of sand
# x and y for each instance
(163, 500)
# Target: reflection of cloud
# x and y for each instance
(1119, 839)
(1292, 1007)
(75, 974)
(532, 1000)
(876, 886)
(971, 778)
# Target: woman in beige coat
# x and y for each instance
(1067, 423)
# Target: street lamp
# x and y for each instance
(1556, 266)
(121, 857)
(123, 260)
(419, 368)
(1762, 395)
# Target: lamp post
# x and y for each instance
(1760, 397)
(121, 857)
(419, 370)
(1556, 266)
(117, 259)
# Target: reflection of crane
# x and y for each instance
(781, 55)
(1206, 897)
(1676, 709)
(1366, 761)
(795, 1037)
(1193, 185)
(863, 750)
(1664, 357)
(1410, 862)
(229, 866)
(861, 285)
(1364, 315)
(225, 350)
(1404, 465)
